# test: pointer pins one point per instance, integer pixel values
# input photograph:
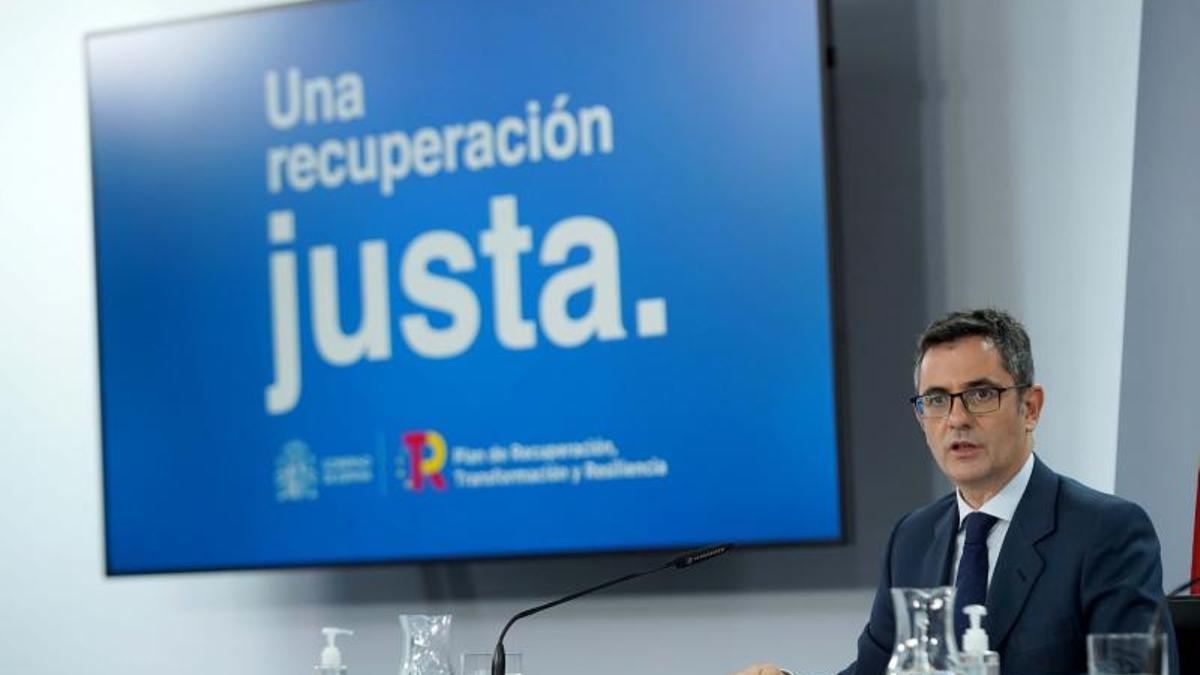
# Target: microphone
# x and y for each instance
(678, 562)
(1156, 621)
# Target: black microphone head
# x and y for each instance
(698, 556)
(1164, 606)
(498, 665)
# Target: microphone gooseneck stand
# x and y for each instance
(678, 562)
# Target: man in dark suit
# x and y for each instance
(1051, 559)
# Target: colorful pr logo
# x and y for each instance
(424, 466)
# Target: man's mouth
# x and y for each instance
(963, 447)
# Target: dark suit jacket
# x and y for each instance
(1075, 561)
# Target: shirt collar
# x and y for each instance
(1004, 504)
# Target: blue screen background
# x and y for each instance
(715, 189)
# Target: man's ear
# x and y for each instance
(1031, 406)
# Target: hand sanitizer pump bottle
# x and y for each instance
(975, 656)
(331, 656)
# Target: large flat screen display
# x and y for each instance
(431, 280)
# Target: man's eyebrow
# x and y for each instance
(978, 382)
(983, 382)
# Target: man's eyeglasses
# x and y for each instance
(977, 401)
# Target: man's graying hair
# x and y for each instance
(1001, 329)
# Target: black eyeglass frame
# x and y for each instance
(999, 399)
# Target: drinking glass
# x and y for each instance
(1127, 654)
(481, 664)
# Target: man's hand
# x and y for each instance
(761, 669)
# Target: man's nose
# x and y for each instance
(959, 416)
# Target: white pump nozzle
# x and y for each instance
(975, 640)
(331, 656)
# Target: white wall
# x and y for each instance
(1162, 318)
(1028, 127)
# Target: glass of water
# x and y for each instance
(481, 664)
(1127, 654)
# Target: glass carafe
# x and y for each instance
(426, 644)
(925, 643)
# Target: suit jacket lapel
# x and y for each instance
(935, 567)
(1019, 564)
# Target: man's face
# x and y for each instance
(978, 453)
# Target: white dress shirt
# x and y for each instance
(1003, 505)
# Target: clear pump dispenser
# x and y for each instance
(976, 658)
(331, 656)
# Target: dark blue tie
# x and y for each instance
(971, 585)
